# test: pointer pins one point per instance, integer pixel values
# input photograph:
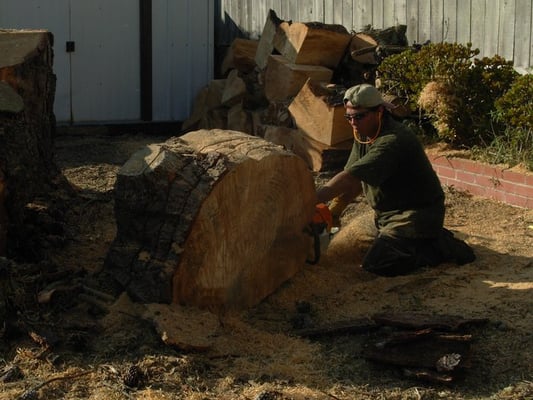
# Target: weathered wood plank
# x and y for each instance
(523, 36)
(436, 19)
(493, 26)
(506, 29)
(450, 21)
(389, 13)
(491, 23)
(424, 21)
(463, 21)
(477, 30)
(362, 8)
(412, 21)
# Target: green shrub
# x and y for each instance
(451, 87)
(515, 107)
(512, 147)
(513, 144)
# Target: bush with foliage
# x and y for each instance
(515, 107)
(451, 87)
(514, 143)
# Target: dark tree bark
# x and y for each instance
(27, 123)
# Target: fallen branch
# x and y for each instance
(27, 393)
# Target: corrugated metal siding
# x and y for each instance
(183, 48)
(54, 17)
(100, 81)
(105, 65)
(501, 27)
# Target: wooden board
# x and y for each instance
(318, 119)
(240, 56)
(266, 41)
(312, 43)
(284, 79)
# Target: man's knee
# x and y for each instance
(390, 257)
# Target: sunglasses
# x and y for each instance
(357, 116)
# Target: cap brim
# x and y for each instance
(388, 105)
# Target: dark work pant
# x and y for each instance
(392, 256)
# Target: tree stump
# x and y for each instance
(27, 123)
(213, 219)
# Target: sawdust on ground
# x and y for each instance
(253, 355)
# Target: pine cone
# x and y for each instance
(267, 395)
(29, 395)
(133, 377)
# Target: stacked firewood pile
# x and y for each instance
(287, 86)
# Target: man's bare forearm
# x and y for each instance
(343, 183)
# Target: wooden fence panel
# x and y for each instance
(490, 38)
(424, 21)
(463, 21)
(506, 29)
(412, 20)
(501, 27)
(436, 19)
(449, 31)
(523, 56)
(361, 10)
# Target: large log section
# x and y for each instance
(213, 219)
(27, 89)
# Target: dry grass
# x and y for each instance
(255, 354)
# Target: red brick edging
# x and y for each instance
(485, 180)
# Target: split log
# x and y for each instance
(234, 89)
(266, 42)
(27, 124)
(295, 140)
(315, 114)
(442, 354)
(239, 119)
(284, 79)
(209, 98)
(312, 43)
(363, 49)
(240, 56)
(391, 40)
(423, 321)
(213, 219)
(318, 156)
(393, 35)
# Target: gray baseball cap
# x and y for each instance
(365, 95)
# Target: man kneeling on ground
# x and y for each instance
(388, 164)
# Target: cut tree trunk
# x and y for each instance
(27, 89)
(317, 116)
(284, 79)
(213, 219)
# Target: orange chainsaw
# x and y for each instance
(321, 229)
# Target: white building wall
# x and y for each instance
(100, 80)
(183, 52)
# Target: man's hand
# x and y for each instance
(323, 217)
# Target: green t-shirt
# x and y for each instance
(399, 182)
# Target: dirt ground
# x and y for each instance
(255, 354)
